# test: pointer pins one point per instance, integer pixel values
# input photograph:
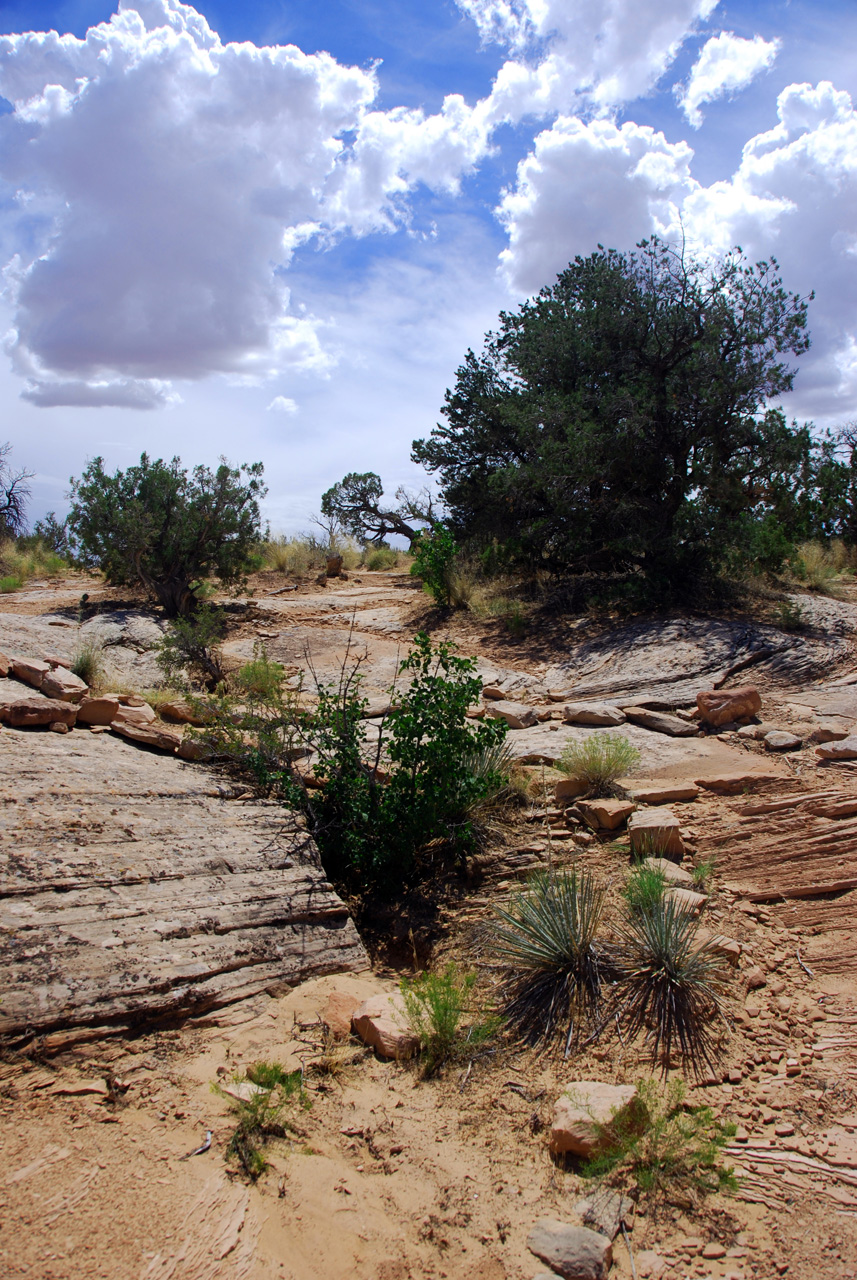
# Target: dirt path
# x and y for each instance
(390, 1177)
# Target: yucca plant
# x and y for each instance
(672, 984)
(546, 940)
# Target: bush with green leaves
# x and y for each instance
(434, 556)
(546, 941)
(644, 888)
(261, 678)
(190, 649)
(599, 760)
(676, 1158)
(166, 529)
(261, 1115)
(437, 1005)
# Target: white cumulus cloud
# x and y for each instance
(726, 64)
(283, 404)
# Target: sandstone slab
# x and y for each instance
(668, 793)
(830, 731)
(101, 711)
(782, 740)
(585, 1112)
(660, 722)
(158, 736)
(28, 709)
(570, 788)
(338, 1013)
(137, 712)
(595, 713)
(845, 749)
(64, 685)
(671, 871)
(180, 712)
(382, 1023)
(576, 1253)
(169, 899)
(731, 784)
(720, 706)
(656, 832)
(687, 899)
(31, 670)
(4, 665)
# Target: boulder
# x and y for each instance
(493, 693)
(576, 1253)
(382, 1023)
(660, 722)
(28, 712)
(720, 706)
(585, 1112)
(180, 712)
(62, 684)
(97, 710)
(782, 740)
(338, 1014)
(30, 670)
(687, 899)
(138, 714)
(845, 749)
(671, 871)
(516, 714)
(656, 832)
(194, 749)
(827, 731)
(149, 735)
(598, 713)
(376, 708)
(665, 794)
(608, 815)
(569, 789)
(334, 566)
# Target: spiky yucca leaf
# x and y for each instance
(673, 983)
(546, 941)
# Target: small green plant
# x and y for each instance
(644, 888)
(672, 984)
(261, 677)
(702, 873)
(434, 555)
(546, 941)
(815, 566)
(191, 648)
(11, 582)
(436, 1004)
(676, 1158)
(515, 619)
(791, 616)
(269, 1090)
(87, 661)
(599, 760)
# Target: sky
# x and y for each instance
(270, 231)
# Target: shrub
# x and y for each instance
(191, 648)
(435, 1004)
(672, 984)
(262, 1115)
(87, 661)
(261, 677)
(434, 553)
(790, 616)
(676, 1158)
(599, 760)
(166, 529)
(11, 582)
(546, 940)
(382, 558)
(815, 566)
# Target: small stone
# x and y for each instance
(97, 711)
(382, 1023)
(575, 1253)
(666, 794)
(713, 1250)
(584, 1112)
(784, 1129)
(659, 722)
(780, 740)
(30, 670)
(735, 1076)
(608, 815)
(58, 727)
(687, 899)
(671, 871)
(650, 1265)
(846, 749)
(829, 731)
(752, 1008)
(754, 978)
(63, 685)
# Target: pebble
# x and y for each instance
(713, 1250)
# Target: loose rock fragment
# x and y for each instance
(382, 1023)
(656, 832)
(576, 1253)
(585, 1113)
(660, 722)
(719, 706)
(597, 713)
(516, 714)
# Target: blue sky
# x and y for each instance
(271, 230)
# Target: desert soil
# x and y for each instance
(388, 1175)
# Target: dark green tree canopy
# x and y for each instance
(357, 503)
(168, 529)
(620, 420)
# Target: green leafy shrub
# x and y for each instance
(546, 941)
(676, 1158)
(436, 1004)
(672, 984)
(791, 616)
(599, 760)
(434, 555)
(382, 558)
(261, 677)
(191, 648)
(262, 1115)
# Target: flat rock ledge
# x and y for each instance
(135, 887)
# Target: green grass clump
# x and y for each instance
(599, 760)
(436, 1005)
(263, 1115)
(644, 888)
(382, 558)
(11, 582)
(262, 678)
(546, 941)
(672, 984)
(676, 1158)
(87, 661)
